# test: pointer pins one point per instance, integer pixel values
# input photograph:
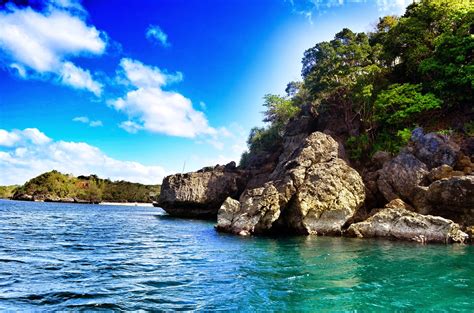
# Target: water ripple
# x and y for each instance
(88, 258)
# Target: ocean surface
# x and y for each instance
(89, 257)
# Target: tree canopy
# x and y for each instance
(408, 71)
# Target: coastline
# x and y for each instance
(140, 204)
(132, 204)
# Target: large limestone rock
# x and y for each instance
(257, 210)
(311, 191)
(395, 221)
(200, 194)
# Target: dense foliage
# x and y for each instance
(87, 188)
(7, 191)
(410, 71)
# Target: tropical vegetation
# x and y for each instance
(413, 70)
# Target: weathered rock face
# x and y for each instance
(434, 149)
(424, 176)
(395, 221)
(200, 194)
(400, 177)
(311, 191)
(257, 210)
(453, 197)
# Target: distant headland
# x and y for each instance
(54, 186)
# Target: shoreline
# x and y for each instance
(140, 204)
(105, 203)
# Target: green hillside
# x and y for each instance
(55, 186)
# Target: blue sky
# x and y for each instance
(135, 89)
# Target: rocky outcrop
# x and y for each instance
(306, 187)
(255, 213)
(452, 197)
(200, 194)
(311, 191)
(397, 221)
(433, 176)
(434, 149)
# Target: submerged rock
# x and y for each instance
(397, 222)
(200, 194)
(311, 191)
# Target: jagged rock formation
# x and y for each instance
(311, 191)
(396, 221)
(200, 194)
(424, 175)
(306, 187)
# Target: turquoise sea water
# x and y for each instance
(83, 257)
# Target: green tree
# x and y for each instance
(403, 104)
(279, 110)
(337, 63)
(413, 38)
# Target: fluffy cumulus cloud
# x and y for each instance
(150, 107)
(154, 33)
(41, 43)
(86, 120)
(29, 152)
(22, 137)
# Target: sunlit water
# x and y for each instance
(83, 257)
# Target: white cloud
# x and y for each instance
(155, 34)
(79, 78)
(22, 137)
(96, 123)
(34, 136)
(67, 4)
(8, 139)
(140, 75)
(41, 44)
(393, 6)
(31, 153)
(86, 120)
(130, 127)
(151, 108)
(81, 119)
(308, 8)
(230, 142)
